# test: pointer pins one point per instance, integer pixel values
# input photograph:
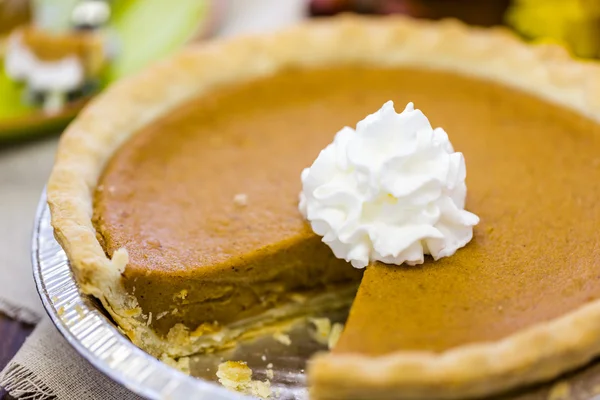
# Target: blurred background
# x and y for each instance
(56, 54)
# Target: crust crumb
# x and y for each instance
(178, 334)
(182, 364)
(560, 391)
(180, 295)
(236, 375)
(334, 336)
(205, 328)
(131, 307)
(79, 311)
(270, 373)
(120, 259)
(326, 333)
(322, 331)
(160, 315)
(282, 338)
(261, 389)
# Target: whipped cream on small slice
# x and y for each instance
(391, 190)
(55, 77)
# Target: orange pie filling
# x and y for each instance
(205, 200)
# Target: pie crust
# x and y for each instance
(534, 354)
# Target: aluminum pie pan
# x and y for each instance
(83, 323)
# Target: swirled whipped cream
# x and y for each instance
(391, 190)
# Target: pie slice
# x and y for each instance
(175, 195)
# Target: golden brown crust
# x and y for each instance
(534, 354)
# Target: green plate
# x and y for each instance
(143, 31)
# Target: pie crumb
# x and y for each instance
(236, 375)
(240, 199)
(160, 315)
(206, 328)
(261, 389)
(182, 364)
(326, 333)
(323, 329)
(180, 295)
(79, 311)
(263, 357)
(282, 338)
(270, 373)
(270, 365)
(178, 333)
(334, 336)
(560, 391)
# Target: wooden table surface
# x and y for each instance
(12, 336)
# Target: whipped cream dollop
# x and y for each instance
(391, 190)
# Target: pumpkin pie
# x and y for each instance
(175, 196)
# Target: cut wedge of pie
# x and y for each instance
(175, 196)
